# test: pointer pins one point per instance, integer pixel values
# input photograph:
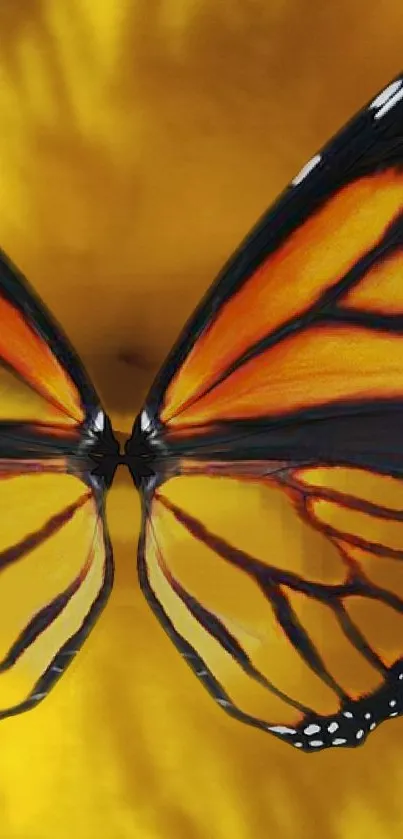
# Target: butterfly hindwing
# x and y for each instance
(282, 588)
(55, 576)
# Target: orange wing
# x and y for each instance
(329, 305)
(27, 354)
(300, 317)
(42, 381)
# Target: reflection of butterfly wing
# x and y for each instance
(272, 553)
(55, 557)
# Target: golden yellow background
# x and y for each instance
(139, 140)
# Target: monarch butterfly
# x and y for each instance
(268, 457)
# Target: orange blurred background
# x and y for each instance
(139, 142)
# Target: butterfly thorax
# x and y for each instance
(138, 455)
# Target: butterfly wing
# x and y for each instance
(282, 587)
(318, 275)
(272, 543)
(55, 558)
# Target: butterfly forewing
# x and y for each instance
(41, 377)
(240, 366)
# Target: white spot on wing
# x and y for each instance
(386, 94)
(99, 421)
(304, 172)
(312, 729)
(145, 421)
(389, 104)
(281, 729)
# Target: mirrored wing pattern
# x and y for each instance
(268, 456)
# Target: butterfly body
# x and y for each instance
(268, 457)
(105, 453)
